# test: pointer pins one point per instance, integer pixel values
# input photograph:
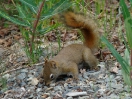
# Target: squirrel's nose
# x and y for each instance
(47, 83)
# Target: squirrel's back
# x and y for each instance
(86, 25)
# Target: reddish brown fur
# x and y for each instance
(85, 25)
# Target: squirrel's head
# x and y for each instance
(50, 72)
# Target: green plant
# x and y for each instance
(3, 82)
(126, 69)
(33, 15)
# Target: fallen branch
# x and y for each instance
(9, 71)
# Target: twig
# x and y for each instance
(8, 71)
(13, 3)
(35, 25)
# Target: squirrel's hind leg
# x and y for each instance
(90, 59)
(72, 69)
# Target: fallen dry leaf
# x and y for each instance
(1, 41)
(82, 71)
(58, 97)
(115, 69)
(17, 37)
(4, 32)
(45, 96)
(8, 43)
(34, 81)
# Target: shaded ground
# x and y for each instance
(22, 79)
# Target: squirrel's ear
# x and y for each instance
(46, 60)
(53, 64)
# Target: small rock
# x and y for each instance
(31, 96)
(84, 97)
(41, 59)
(70, 86)
(111, 77)
(58, 88)
(2, 51)
(85, 75)
(19, 59)
(48, 98)
(119, 73)
(118, 78)
(36, 74)
(114, 85)
(127, 88)
(76, 93)
(21, 76)
(38, 90)
(6, 76)
(80, 77)
(23, 83)
(40, 85)
(69, 98)
(93, 74)
(1, 92)
(100, 81)
(113, 96)
(48, 89)
(65, 85)
(90, 91)
(95, 88)
(52, 85)
(39, 68)
(91, 84)
(10, 87)
(45, 95)
(24, 70)
(114, 69)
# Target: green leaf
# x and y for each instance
(126, 78)
(128, 21)
(128, 28)
(130, 2)
(57, 8)
(22, 14)
(12, 19)
(30, 4)
(127, 56)
(125, 66)
(47, 29)
(124, 8)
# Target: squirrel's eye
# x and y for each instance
(51, 76)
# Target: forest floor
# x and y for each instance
(22, 82)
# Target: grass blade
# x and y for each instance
(30, 4)
(47, 29)
(22, 14)
(128, 21)
(128, 31)
(124, 64)
(12, 19)
(57, 8)
(125, 11)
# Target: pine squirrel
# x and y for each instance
(67, 60)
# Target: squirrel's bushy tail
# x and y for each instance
(88, 28)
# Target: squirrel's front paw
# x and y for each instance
(75, 78)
